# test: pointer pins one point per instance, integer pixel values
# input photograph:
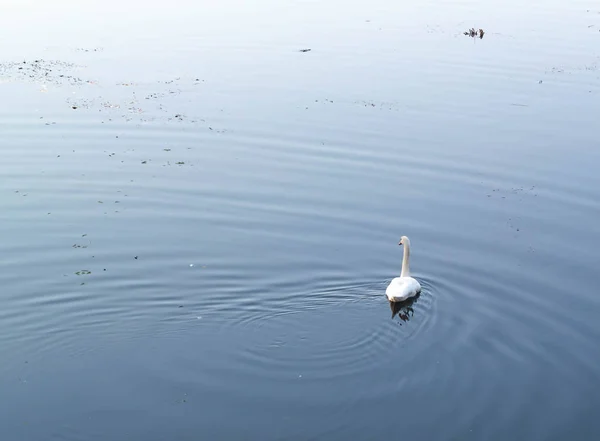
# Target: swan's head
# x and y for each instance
(404, 241)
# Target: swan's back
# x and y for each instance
(402, 288)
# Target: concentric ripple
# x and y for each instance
(331, 340)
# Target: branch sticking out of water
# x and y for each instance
(474, 33)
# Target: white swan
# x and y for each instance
(403, 287)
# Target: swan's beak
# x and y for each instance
(400, 243)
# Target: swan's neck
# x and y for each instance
(405, 269)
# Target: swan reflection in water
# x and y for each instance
(404, 310)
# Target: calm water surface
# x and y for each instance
(199, 220)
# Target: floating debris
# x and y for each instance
(95, 49)
(41, 71)
(474, 33)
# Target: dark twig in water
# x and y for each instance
(474, 33)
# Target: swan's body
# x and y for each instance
(403, 287)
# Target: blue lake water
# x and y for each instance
(199, 220)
